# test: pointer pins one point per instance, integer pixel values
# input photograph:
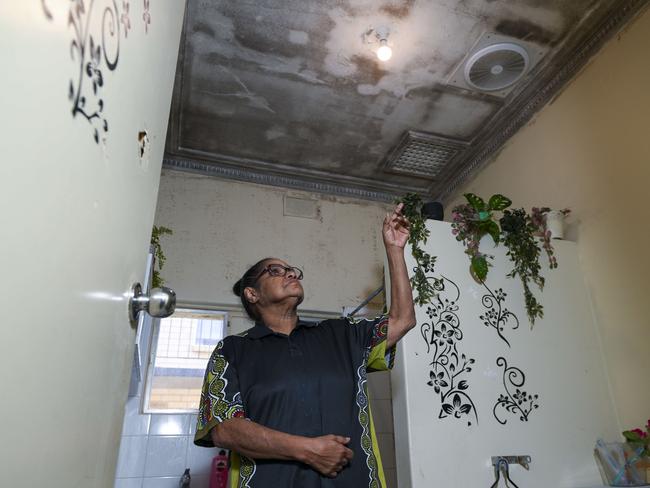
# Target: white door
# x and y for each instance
(85, 93)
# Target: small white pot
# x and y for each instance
(555, 223)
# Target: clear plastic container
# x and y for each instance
(621, 465)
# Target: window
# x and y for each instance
(180, 349)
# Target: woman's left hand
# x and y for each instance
(396, 228)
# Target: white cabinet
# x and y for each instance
(474, 381)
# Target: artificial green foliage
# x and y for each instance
(423, 286)
(156, 233)
(517, 230)
(479, 266)
(519, 233)
(472, 221)
(499, 202)
(476, 202)
(538, 219)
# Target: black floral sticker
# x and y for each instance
(96, 44)
(124, 18)
(95, 49)
(497, 316)
(46, 10)
(146, 16)
(516, 400)
(442, 335)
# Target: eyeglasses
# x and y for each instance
(281, 270)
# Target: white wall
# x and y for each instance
(590, 151)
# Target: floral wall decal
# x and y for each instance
(442, 335)
(96, 43)
(95, 49)
(497, 316)
(518, 403)
(124, 18)
(146, 16)
(46, 10)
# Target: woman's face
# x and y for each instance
(277, 289)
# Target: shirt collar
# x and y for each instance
(260, 330)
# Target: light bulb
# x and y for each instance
(384, 53)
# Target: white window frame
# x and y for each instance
(152, 357)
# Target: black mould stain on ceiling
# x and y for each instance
(294, 90)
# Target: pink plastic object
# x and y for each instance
(219, 471)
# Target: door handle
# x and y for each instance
(160, 303)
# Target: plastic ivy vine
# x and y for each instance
(425, 287)
(523, 250)
(156, 233)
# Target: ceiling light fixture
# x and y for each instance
(384, 53)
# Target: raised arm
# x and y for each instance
(326, 454)
(401, 316)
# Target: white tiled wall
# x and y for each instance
(156, 449)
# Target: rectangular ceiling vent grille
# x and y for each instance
(423, 154)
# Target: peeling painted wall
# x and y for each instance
(590, 151)
(222, 227)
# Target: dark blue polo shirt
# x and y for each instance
(309, 383)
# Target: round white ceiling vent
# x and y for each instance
(496, 67)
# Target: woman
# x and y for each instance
(289, 397)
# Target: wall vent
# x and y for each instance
(306, 208)
(423, 154)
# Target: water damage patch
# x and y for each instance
(203, 28)
(398, 10)
(368, 69)
(526, 31)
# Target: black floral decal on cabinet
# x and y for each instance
(442, 335)
(520, 403)
(497, 316)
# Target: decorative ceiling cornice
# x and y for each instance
(250, 176)
(537, 95)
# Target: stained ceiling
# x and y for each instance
(291, 93)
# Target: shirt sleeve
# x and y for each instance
(220, 395)
(371, 335)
